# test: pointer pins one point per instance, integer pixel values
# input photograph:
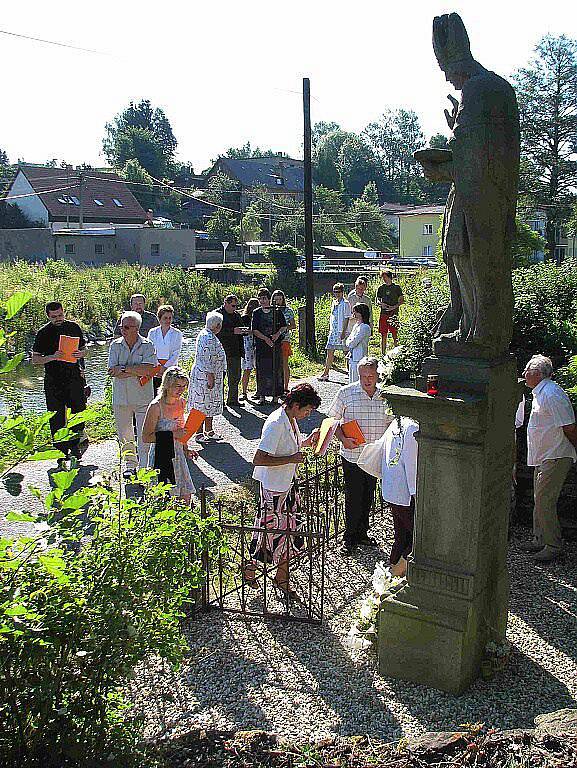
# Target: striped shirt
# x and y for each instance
(371, 414)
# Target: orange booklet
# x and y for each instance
(192, 424)
(352, 429)
(326, 434)
(68, 345)
(155, 371)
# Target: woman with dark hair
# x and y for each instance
(268, 326)
(278, 299)
(357, 343)
(275, 462)
(248, 359)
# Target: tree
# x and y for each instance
(3, 158)
(371, 225)
(246, 152)
(222, 226)
(370, 194)
(327, 157)
(142, 184)
(393, 139)
(11, 217)
(140, 132)
(547, 96)
(357, 165)
(438, 141)
(223, 190)
(320, 130)
(525, 243)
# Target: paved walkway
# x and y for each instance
(225, 461)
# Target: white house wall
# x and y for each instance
(32, 207)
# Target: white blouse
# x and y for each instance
(278, 439)
(167, 347)
(399, 471)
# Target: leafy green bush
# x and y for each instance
(80, 613)
(285, 260)
(544, 315)
(567, 378)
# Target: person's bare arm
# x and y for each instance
(571, 433)
(150, 422)
(264, 459)
(38, 359)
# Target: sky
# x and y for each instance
(227, 72)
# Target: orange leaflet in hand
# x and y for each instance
(192, 425)
(352, 429)
(67, 345)
(155, 371)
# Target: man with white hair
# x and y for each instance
(130, 358)
(551, 442)
(360, 402)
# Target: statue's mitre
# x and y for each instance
(450, 40)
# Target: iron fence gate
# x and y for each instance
(320, 522)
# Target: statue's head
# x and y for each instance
(452, 48)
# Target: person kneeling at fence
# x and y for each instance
(275, 462)
(399, 486)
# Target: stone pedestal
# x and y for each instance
(434, 630)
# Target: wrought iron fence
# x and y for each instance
(318, 524)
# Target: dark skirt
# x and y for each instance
(269, 375)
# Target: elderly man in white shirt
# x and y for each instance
(551, 442)
(399, 487)
(360, 402)
(129, 359)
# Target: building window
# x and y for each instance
(117, 203)
(98, 202)
(98, 249)
(427, 250)
(427, 229)
(69, 248)
(75, 200)
(155, 249)
(279, 181)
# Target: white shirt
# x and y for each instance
(278, 439)
(371, 414)
(167, 347)
(358, 341)
(550, 412)
(340, 313)
(128, 391)
(399, 472)
(353, 298)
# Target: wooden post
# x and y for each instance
(308, 202)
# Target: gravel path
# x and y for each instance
(303, 682)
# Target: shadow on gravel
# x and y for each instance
(224, 458)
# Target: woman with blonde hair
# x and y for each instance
(167, 342)
(164, 427)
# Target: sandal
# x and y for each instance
(283, 587)
(249, 575)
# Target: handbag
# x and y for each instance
(371, 458)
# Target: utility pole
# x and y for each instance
(308, 201)
(81, 195)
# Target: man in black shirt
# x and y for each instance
(389, 298)
(63, 381)
(149, 319)
(231, 338)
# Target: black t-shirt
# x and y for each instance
(268, 323)
(390, 294)
(46, 343)
(232, 342)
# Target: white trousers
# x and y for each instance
(131, 449)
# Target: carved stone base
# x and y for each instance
(435, 629)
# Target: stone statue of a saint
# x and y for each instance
(482, 163)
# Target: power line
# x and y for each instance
(53, 42)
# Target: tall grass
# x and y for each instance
(94, 296)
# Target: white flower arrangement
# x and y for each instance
(363, 632)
